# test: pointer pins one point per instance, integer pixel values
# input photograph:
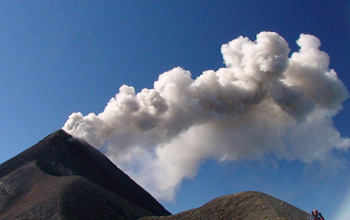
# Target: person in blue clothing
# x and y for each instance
(316, 215)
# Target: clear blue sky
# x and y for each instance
(60, 57)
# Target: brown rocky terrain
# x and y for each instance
(65, 178)
(241, 206)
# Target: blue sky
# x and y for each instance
(61, 57)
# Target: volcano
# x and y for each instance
(63, 177)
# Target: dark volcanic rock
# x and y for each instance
(64, 178)
(243, 206)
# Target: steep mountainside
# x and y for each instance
(64, 178)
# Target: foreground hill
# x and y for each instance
(64, 178)
(241, 206)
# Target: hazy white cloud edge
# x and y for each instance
(263, 102)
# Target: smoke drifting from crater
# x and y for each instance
(263, 102)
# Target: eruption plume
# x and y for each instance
(263, 102)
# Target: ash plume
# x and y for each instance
(263, 102)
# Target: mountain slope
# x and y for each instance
(243, 206)
(46, 179)
(65, 178)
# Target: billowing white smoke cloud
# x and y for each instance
(263, 102)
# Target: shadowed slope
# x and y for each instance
(47, 174)
(243, 206)
(29, 193)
